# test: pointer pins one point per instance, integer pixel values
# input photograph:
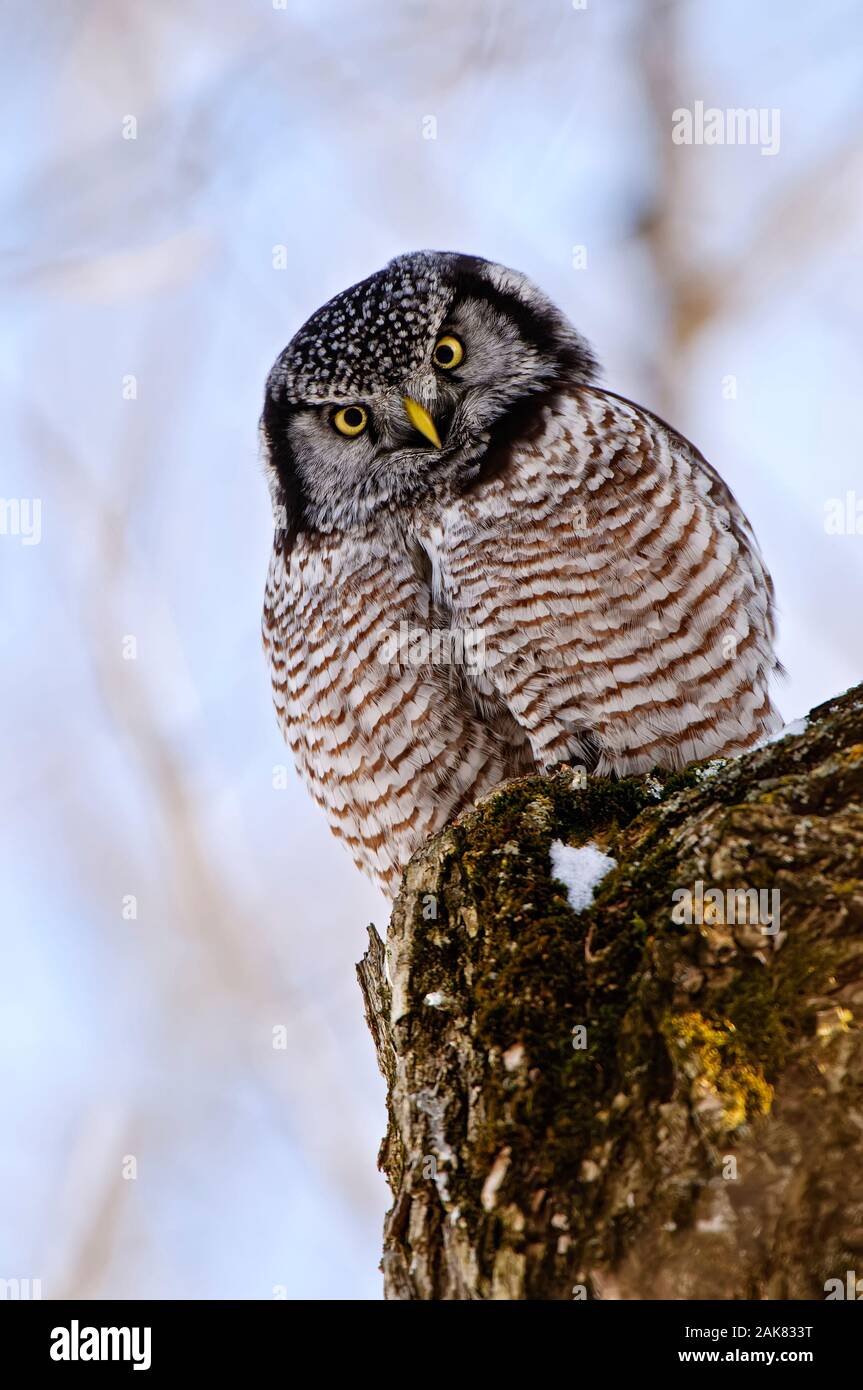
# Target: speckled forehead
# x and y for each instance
(368, 337)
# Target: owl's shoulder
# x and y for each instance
(591, 437)
(585, 448)
(610, 415)
(572, 440)
(668, 441)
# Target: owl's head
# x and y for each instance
(420, 374)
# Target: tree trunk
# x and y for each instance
(620, 1102)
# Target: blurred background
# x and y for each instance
(191, 1106)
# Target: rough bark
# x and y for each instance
(706, 1141)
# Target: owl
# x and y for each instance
(486, 564)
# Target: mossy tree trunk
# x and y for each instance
(618, 1103)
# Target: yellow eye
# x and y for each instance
(448, 352)
(351, 420)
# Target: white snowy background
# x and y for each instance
(304, 127)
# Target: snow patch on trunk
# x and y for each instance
(580, 869)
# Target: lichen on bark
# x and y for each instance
(615, 1103)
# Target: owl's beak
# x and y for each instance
(422, 421)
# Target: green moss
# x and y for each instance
(692, 776)
(768, 1006)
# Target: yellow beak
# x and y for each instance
(422, 421)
